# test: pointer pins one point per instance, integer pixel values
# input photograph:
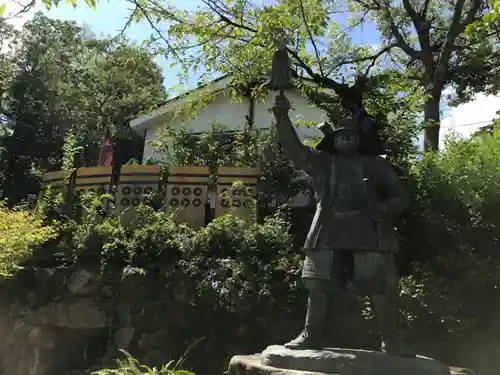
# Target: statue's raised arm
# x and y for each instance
(302, 156)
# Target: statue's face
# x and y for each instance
(346, 142)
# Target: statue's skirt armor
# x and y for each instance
(371, 271)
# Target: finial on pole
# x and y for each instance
(280, 72)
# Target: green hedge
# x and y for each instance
(451, 241)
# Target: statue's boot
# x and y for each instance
(312, 337)
(387, 316)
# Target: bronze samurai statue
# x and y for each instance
(358, 195)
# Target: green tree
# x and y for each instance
(425, 41)
(490, 23)
(64, 79)
(483, 77)
(6, 57)
(451, 233)
(429, 41)
(111, 82)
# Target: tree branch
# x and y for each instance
(25, 8)
(360, 22)
(415, 18)
(160, 34)
(423, 37)
(311, 38)
(165, 12)
(400, 40)
(317, 78)
(227, 20)
(373, 58)
(328, 103)
(471, 14)
(128, 22)
(456, 27)
(350, 96)
(425, 8)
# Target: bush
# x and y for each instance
(451, 237)
(231, 265)
(130, 366)
(227, 281)
(20, 232)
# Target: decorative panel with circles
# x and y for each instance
(93, 179)
(231, 199)
(187, 192)
(136, 181)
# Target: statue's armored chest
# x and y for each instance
(347, 185)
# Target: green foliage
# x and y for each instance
(234, 244)
(233, 272)
(477, 72)
(213, 262)
(71, 149)
(489, 23)
(240, 275)
(8, 40)
(243, 276)
(130, 366)
(280, 180)
(394, 102)
(452, 237)
(488, 129)
(20, 233)
(217, 147)
(50, 204)
(425, 42)
(66, 88)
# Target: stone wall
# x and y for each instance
(62, 321)
(51, 319)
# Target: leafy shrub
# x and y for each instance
(231, 262)
(20, 232)
(451, 237)
(233, 273)
(130, 366)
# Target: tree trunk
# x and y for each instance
(432, 122)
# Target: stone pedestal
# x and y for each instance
(277, 360)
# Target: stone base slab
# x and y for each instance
(277, 360)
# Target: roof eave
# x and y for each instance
(161, 114)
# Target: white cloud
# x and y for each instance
(467, 118)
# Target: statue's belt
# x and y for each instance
(339, 213)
